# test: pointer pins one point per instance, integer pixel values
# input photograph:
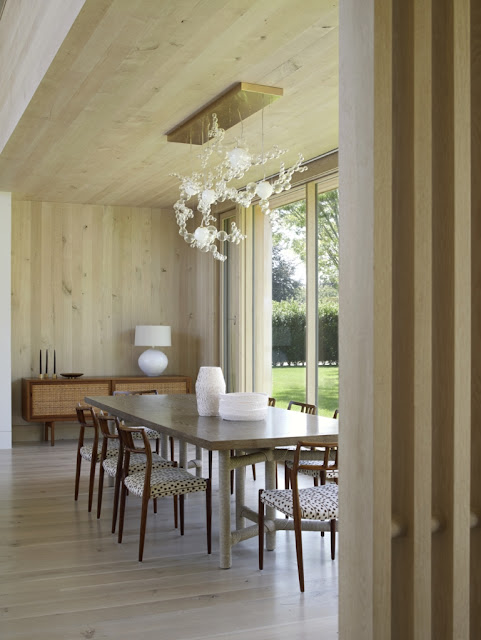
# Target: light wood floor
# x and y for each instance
(65, 577)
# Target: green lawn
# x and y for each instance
(289, 383)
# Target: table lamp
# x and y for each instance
(152, 362)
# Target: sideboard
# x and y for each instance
(52, 400)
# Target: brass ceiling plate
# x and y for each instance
(233, 106)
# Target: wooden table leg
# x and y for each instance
(270, 481)
(225, 554)
(240, 477)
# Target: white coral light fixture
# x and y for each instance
(211, 185)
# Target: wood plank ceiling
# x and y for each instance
(130, 70)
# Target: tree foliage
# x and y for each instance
(288, 232)
(289, 333)
(285, 286)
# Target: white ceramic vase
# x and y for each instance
(208, 387)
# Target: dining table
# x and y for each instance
(238, 443)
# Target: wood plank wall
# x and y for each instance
(410, 318)
(83, 276)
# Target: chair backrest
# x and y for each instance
(271, 402)
(336, 414)
(322, 456)
(142, 392)
(146, 392)
(128, 446)
(104, 422)
(304, 407)
(86, 419)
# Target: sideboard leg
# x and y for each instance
(45, 431)
(52, 432)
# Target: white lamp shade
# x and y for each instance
(152, 336)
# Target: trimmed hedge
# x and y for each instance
(289, 333)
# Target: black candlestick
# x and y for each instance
(54, 361)
(40, 370)
(46, 361)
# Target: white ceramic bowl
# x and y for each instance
(243, 406)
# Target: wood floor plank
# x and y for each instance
(64, 576)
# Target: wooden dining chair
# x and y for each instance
(271, 402)
(89, 452)
(155, 483)
(152, 434)
(112, 466)
(303, 407)
(315, 503)
(331, 474)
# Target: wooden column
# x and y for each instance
(410, 312)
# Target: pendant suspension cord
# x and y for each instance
(242, 125)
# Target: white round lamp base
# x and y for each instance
(153, 362)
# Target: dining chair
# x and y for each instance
(303, 407)
(156, 483)
(331, 474)
(152, 434)
(89, 452)
(271, 402)
(315, 503)
(112, 466)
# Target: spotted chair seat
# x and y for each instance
(112, 451)
(151, 434)
(137, 463)
(316, 503)
(315, 473)
(165, 482)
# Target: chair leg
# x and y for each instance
(333, 539)
(123, 495)
(116, 502)
(210, 464)
(92, 480)
(157, 445)
(260, 524)
(143, 525)
(286, 476)
(176, 516)
(171, 440)
(300, 564)
(232, 476)
(254, 471)
(208, 506)
(181, 509)
(100, 490)
(77, 474)
(155, 504)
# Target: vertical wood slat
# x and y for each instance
(403, 310)
(475, 386)
(422, 419)
(433, 573)
(365, 319)
(83, 276)
(463, 346)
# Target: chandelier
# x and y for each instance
(211, 185)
